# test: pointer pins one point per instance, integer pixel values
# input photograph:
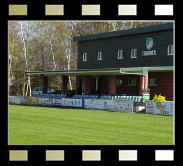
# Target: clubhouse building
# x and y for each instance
(132, 62)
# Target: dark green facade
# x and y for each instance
(126, 40)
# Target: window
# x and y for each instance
(99, 56)
(170, 50)
(134, 53)
(153, 82)
(132, 82)
(119, 82)
(120, 54)
(84, 56)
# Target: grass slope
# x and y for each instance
(30, 125)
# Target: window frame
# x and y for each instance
(132, 84)
(135, 51)
(84, 56)
(152, 83)
(118, 80)
(119, 56)
(99, 55)
(172, 49)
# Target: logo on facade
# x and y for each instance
(149, 43)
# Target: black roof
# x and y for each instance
(159, 27)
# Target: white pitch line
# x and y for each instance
(79, 135)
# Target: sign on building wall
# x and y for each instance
(71, 102)
(23, 100)
(108, 105)
(32, 101)
(88, 103)
(124, 106)
(17, 99)
(164, 108)
(12, 99)
(57, 101)
(112, 105)
(149, 43)
(103, 104)
(149, 46)
(98, 104)
(46, 101)
(148, 53)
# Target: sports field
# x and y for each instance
(31, 125)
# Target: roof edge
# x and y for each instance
(125, 32)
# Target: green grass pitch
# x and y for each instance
(33, 125)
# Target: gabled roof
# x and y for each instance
(154, 28)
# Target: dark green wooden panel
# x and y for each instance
(109, 47)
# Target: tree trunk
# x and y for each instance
(51, 47)
(25, 56)
(10, 61)
(68, 45)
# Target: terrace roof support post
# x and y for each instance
(141, 84)
(86, 84)
(64, 84)
(112, 84)
(144, 82)
(45, 84)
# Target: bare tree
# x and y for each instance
(68, 47)
(51, 45)
(25, 50)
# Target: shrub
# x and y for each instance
(159, 98)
